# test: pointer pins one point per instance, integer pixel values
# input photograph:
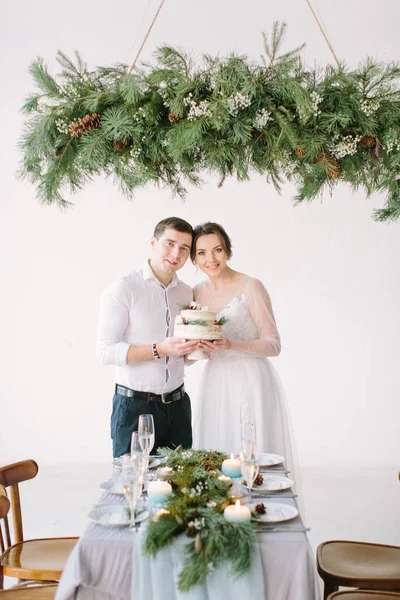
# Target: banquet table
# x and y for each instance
(100, 566)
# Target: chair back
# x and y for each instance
(10, 477)
(5, 539)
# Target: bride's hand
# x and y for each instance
(215, 346)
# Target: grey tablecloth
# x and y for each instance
(100, 566)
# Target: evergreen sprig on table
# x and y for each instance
(169, 122)
(196, 510)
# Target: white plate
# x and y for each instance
(275, 512)
(153, 462)
(270, 460)
(272, 483)
(112, 486)
(114, 515)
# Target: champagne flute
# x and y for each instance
(132, 480)
(135, 444)
(146, 433)
(249, 466)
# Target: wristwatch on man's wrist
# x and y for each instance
(156, 356)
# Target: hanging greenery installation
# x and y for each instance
(170, 122)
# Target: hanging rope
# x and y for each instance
(146, 36)
(323, 33)
(139, 29)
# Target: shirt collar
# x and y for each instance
(148, 274)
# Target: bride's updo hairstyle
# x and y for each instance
(207, 229)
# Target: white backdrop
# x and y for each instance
(330, 269)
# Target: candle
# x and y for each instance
(237, 513)
(164, 472)
(225, 479)
(231, 467)
(159, 491)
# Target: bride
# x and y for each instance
(238, 370)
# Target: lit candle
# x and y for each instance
(225, 479)
(164, 472)
(237, 513)
(159, 491)
(231, 467)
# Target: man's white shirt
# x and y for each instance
(138, 309)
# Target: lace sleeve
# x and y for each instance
(269, 343)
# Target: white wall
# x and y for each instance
(330, 269)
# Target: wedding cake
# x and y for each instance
(196, 322)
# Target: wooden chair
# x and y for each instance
(358, 565)
(39, 559)
(37, 592)
(364, 595)
(5, 538)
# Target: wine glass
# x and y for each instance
(249, 465)
(248, 427)
(146, 434)
(132, 481)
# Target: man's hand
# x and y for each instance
(176, 347)
(215, 346)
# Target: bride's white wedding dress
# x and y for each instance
(242, 374)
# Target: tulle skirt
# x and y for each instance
(225, 384)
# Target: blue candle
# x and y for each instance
(231, 467)
(159, 491)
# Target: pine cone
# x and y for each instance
(86, 123)
(368, 141)
(259, 480)
(172, 118)
(332, 165)
(300, 152)
(191, 531)
(120, 145)
(260, 509)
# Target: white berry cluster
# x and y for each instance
(140, 115)
(316, 100)
(261, 119)
(196, 109)
(211, 504)
(392, 145)
(163, 91)
(289, 165)
(345, 146)
(369, 106)
(187, 454)
(195, 491)
(62, 126)
(237, 102)
(197, 523)
(135, 152)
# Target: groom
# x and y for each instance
(135, 333)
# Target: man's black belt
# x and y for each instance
(149, 396)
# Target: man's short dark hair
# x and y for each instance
(172, 223)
